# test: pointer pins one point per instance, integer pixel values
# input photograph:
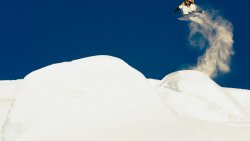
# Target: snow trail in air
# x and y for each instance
(214, 33)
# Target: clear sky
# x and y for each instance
(144, 33)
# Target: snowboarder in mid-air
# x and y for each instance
(189, 10)
(187, 7)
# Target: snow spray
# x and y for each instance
(215, 34)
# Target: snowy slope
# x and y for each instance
(242, 96)
(102, 98)
(8, 91)
(93, 98)
(193, 94)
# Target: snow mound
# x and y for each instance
(193, 94)
(95, 98)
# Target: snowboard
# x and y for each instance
(190, 16)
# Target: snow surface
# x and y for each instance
(8, 90)
(193, 94)
(102, 98)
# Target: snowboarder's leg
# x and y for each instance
(193, 8)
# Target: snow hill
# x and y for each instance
(102, 98)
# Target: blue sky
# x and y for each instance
(144, 33)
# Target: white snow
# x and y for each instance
(193, 94)
(102, 98)
(8, 91)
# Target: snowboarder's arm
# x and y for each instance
(179, 7)
(182, 5)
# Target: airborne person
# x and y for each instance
(187, 7)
